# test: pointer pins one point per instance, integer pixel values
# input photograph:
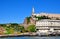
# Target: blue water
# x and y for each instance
(57, 37)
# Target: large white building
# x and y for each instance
(47, 25)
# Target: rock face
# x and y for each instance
(31, 21)
(25, 23)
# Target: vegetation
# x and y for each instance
(42, 17)
(28, 19)
(12, 28)
(21, 29)
(16, 28)
(57, 19)
(31, 28)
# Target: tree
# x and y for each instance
(42, 17)
(3, 25)
(31, 28)
(28, 19)
(21, 29)
(15, 26)
(57, 19)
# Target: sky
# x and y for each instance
(15, 11)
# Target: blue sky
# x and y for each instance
(15, 11)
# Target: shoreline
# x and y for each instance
(2, 36)
(33, 34)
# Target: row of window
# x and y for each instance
(48, 23)
(47, 27)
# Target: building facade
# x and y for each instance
(47, 24)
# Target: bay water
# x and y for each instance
(54, 37)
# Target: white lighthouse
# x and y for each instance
(32, 10)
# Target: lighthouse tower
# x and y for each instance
(32, 10)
